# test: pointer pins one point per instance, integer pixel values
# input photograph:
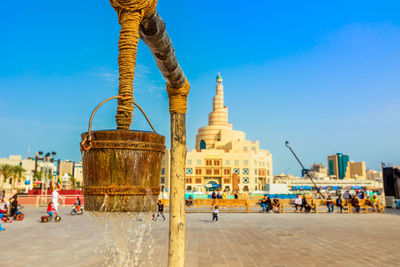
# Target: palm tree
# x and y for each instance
(72, 180)
(6, 171)
(17, 173)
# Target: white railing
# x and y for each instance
(41, 200)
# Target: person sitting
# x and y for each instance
(374, 203)
(355, 203)
(3, 206)
(339, 203)
(269, 204)
(77, 204)
(329, 204)
(276, 204)
(51, 210)
(297, 202)
(264, 204)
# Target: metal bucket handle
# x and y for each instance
(86, 143)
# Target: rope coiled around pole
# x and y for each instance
(178, 98)
(130, 15)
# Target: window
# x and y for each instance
(226, 181)
(203, 144)
(216, 171)
(236, 162)
(236, 171)
(162, 170)
(198, 162)
(245, 162)
(255, 180)
(198, 180)
(227, 162)
(216, 162)
(189, 162)
(253, 148)
(208, 172)
(245, 148)
(163, 180)
(189, 171)
(198, 171)
(245, 180)
(208, 162)
(227, 171)
(255, 171)
(246, 188)
(188, 180)
(245, 171)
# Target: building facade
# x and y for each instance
(46, 168)
(223, 159)
(340, 167)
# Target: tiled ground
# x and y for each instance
(237, 240)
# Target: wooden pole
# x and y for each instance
(152, 32)
(176, 250)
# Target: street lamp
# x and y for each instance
(48, 157)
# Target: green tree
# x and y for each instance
(17, 173)
(72, 180)
(6, 171)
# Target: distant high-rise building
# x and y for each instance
(340, 166)
(337, 165)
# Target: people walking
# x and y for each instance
(215, 214)
(329, 204)
(54, 198)
(160, 208)
(13, 200)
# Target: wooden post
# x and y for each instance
(176, 251)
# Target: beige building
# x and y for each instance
(68, 169)
(223, 158)
(374, 175)
(46, 168)
(357, 170)
(27, 180)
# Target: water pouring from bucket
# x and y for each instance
(121, 168)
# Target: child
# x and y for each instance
(3, 211)
(215, 214)
(160, 210)
(3, 206)
(51, 210)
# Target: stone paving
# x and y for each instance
(236, 240)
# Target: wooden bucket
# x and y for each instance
(121, 169)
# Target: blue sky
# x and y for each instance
(323, 75)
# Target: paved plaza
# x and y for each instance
(236, 240)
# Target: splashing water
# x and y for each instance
(127, 239)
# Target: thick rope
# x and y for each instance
(178, 98)
(130, 14)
